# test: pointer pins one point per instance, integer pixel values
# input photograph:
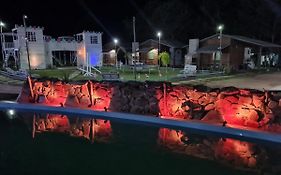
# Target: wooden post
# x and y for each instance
(90, 91)
(30, 86)
(165, 98)
(259, 57)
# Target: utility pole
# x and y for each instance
(220, 28)
(134, 47)
(2, 42)
(159, 47)
(26, 42)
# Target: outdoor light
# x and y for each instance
(220, 27)
(2, 24)
(159, 34)
(115, 41)
(24, 16)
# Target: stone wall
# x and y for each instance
(229, 106)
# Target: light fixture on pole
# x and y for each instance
(24, 17)
(220, 29)
(115, 40)
(159, 34)
(1, 26)
(2, 41)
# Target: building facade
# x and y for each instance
(232, 52)
(30, 43)
(148, 52)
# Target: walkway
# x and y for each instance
(267, 81)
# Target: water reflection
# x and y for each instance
(92, 129)
(230, 152)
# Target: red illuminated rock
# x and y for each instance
(245, 100)
(213, 116)
(244, 92)
(209, 107)
(258, 101)
(231, 99)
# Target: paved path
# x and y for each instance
(10, 86)
(10, 89)
(268, 81)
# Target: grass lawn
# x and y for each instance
(53, 73)
(126, 74)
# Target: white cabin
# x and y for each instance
(46, 52)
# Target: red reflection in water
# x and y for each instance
(88, 128)
(85, 96)
(236, 152)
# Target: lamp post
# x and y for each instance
(159, 47)
(220, 29)
(24, 17)
(1, 30)
(115, 43)
(1, 26)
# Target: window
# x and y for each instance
(30, 36)
(79, 38)
(94, 39)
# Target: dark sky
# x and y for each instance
(63, 17)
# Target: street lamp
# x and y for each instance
(115, 40)
(1, 26)
(159, 38)
(24, 17)
(220, 29)
(2, 40)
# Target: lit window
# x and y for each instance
(30, 36)
(94, 39)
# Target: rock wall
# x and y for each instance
(228, 106)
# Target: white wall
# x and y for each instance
(40, 51)
(94, 51)
(36, 48)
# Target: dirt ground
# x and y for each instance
(269, 81)
(266, 81)
(10, 89)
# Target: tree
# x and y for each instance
(164, 57)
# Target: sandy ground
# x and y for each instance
(10, 89)
(270, 81)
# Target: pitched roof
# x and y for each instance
(175, 44)
(210, 49)
(110, 46)
(246, 40)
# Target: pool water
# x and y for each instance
(132, 150)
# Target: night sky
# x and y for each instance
(61, 18)
(179, 20)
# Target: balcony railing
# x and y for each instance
(8, 45)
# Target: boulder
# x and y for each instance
(209, 107)
(213, 116)
(245, 100)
